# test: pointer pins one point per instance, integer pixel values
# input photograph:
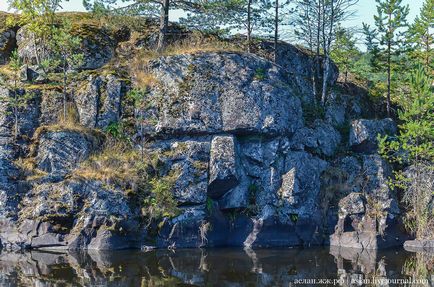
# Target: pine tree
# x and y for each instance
(344, 51)
(251, 16)
(17, 99)
(390, 22)
(316, 24)
(422, 35)
(414, 147)
(65, 47)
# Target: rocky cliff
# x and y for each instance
(224, 148)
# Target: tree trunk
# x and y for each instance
(318, 43)
(15, 115)
(249, 25)
(389, 80)
(64, 89)
(324, 80)
(164, 23)
(276, 30)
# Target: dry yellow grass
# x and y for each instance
(29, 169)
(116, 165)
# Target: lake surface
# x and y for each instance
(218, 267)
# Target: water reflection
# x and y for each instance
(216, 267)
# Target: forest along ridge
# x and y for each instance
(120, 131)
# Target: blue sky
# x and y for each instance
(365, 10)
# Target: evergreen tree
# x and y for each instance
(307, 31)
(65, 47)
(414, 147)
(316, 24)
(251, 16)
(279, 9)
(422, 35)
(389, 22)
(17, 99)
(344, 51)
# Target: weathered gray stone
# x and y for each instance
(237, 197)
(78, 215)
(419, 246)
(221, 92)
(223, 173)
(99, 101)
(61, 151)
(322, 138)
(302, 183)
(188, 160)
(363, 134)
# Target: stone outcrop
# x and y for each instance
(245, 160)
(221, 92)
(369, 218)
(7, 44)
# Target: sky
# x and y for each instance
(365, 10)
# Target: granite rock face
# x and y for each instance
(363, 134)
(62, 151)
(221, 92)
(99, 101)
(248, 167)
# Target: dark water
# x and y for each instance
(217, 267)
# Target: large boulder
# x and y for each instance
(363, 133)
(220, 92)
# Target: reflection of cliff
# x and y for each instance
(223, 267)
(356, 266)
(200, 267)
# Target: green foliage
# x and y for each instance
(414, 146)
(293, 217)
(422, 35)
(344, 51)
(311, 112)
(39, 18)
(209, 204)
(17, 99)
(160, 203)
(223, 16)
(386, 42)
(260, 74)
(415, 141)
(117, 130)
